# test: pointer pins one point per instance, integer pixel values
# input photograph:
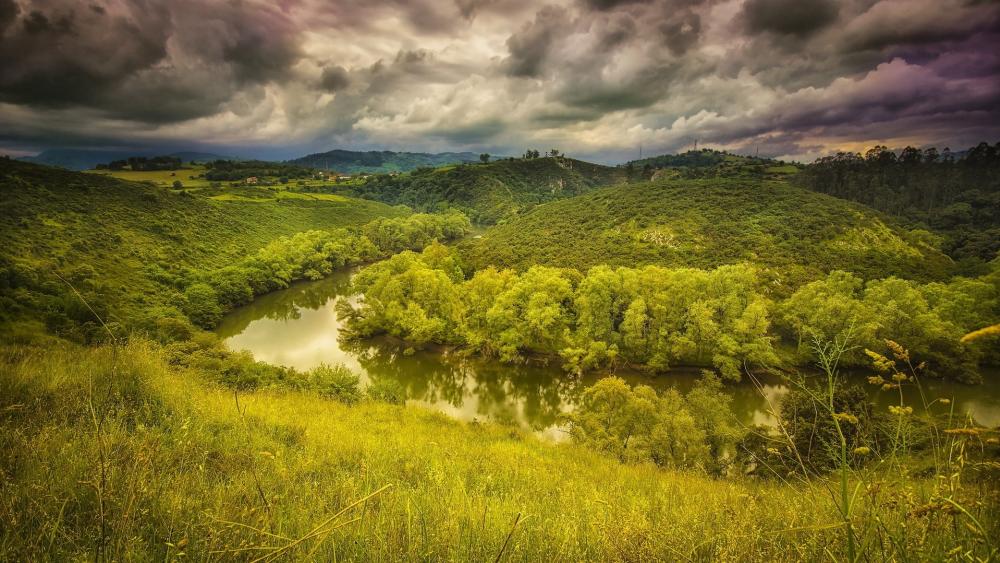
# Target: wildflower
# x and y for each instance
(862, 450)
(898, 351)
(882, 363)
(846, 417)
(773, 451)
(899, 377)
(889, 386)
(944, 401)
(901, 411)
(982, 333)
(876, 380)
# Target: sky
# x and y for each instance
(597, 79)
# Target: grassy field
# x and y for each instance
(116, 454)
(164, 178)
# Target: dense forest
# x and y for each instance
(655, 317)
(955, 195)
(705, 223)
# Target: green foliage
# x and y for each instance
(813, 434)
(796, 234)
(956, 196)
(335, 382)
(130, 248)
(708, 163)
(929, 319)
(654, 317)
(239, 170)
(353, 162)
(671, 430)
(657, 318)
(491, 192)
(201, 304)
(386, 391)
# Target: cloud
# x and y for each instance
(789, 17)
(334, 78)
(592, 77)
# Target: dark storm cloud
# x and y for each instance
(589, 76)
(789, 17)
(117, 59)
(8, 13)
(334, 78)
(530, 46)
(64, 55)
(680, 31)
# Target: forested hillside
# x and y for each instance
(150, 257)
(708, 163)
(353, 162)
(489, 193)
(706, 223)
(956, 196)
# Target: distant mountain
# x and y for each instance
(86, 159)
(352, 162)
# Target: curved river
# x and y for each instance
(298, 327)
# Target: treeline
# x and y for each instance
(143, 164)
(230, 170)
(312, 255)
(958, 195)
(655, 317)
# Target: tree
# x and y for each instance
(484, 158)
(178, 185)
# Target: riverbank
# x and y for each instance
(298, 327)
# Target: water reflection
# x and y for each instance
(298, 327)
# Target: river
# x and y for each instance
(298, 327)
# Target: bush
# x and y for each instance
(387, 391)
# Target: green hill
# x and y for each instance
(488, 193)
(353, 162)
(708, 163)
(707, 223)
(130, 243)
(85, 159)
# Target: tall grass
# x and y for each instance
(289, 475)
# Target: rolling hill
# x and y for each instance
(85, 159)
(353, 162)
(707, 223)
(492, 192)
(128, 244)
